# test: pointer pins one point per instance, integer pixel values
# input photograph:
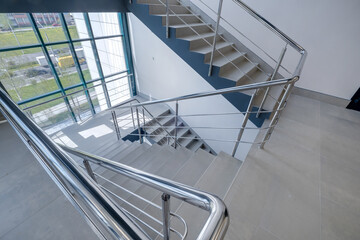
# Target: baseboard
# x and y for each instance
(341, 102)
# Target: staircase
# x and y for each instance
(191, 38)
(199, 169)
(158, 131)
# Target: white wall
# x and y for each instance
(160, 73)
(328, 29)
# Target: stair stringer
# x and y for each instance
(195, 60)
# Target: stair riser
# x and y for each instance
(189, 31)
(180, 20)
(158, 9)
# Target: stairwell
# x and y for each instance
(191, 38)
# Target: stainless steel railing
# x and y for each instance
(105, 218)
(218, 220)
(287, 84)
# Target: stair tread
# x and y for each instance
(178, 15)
(219, 175)
(236, 74)
(208, 48)
(189, 25)
(197, 36)
(256, 77)
(227, 58)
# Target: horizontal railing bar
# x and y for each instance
(69, 88)
(220, 91)
(217, 221)
(128, 191)
(70, 94)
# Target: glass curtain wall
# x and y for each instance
(63, 68)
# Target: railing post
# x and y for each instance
(166, 215)
(138, 122)
(143, 112)
(282, 54)
(276, 116)
(244, 122)
(116, 125)
(216, 33)
(167, 19)
(176, 123)
(132, 116)
(89, 170)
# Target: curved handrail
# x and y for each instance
(219, 91)
(218, 220)
(106, 219)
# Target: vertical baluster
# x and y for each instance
(244, 122)
(138, 122)
(276, 116)
(166, 215)
(167, 19)
(132, 116)
(89, 170)
(116, 125)
(216, 33)
(281, 57)
(176, 123)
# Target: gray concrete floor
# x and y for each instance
(31, 205)
(306, 183)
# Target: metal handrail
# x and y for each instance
(242, 88)
(218, 220)
(150, 114)
(105, 218)
(278, 32)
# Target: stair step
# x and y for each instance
(215, 180)
(187, 139)
(172, 2)
(195, 145)
(243, 70)
(180, 19)
(208, 49)
(184, 30)
(198, 36)
(221, 60)
(169, 170)
(157, 9)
